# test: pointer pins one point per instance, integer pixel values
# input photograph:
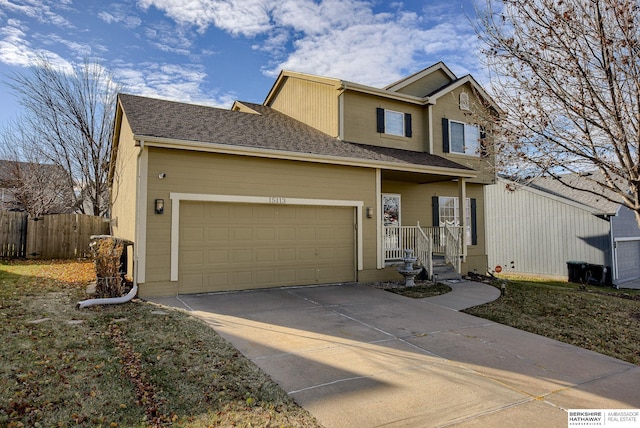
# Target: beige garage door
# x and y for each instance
(225, 246)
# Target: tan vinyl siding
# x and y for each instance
(312, 102)
(447, 106)
(535, 234)
(123, 193)
(360, 122)
(188, 172)
(426, 85)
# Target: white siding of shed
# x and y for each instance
(529, 232)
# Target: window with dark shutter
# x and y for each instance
(436, 211)
(380, 119)
(445, 135)
(407, 125)
(474, 223)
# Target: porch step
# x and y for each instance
(444, 271)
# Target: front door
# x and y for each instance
(391, 223)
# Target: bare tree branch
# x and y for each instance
(69, 118)
(567, 73)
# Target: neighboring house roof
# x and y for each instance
(586, 197)
(152, 118)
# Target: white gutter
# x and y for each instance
(171, 143)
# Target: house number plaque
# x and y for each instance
(277, 200)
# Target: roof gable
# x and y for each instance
(424, 82)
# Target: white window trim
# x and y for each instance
(176, 198)
(465, 125)
(386, 126)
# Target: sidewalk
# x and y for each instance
(465, 294)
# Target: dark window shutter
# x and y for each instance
(436, 211)
(445, 135)
(474, 223)
(407, 125)
(483, 143)
(380, 119)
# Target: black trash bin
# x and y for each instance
(576, 271)
(597, 274)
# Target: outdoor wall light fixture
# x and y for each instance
(159, 206)
(369, 212)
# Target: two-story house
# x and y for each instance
(327, 181)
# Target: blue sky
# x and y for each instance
(216, 51)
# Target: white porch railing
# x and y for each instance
(424, 241)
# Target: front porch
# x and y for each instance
(425, 242)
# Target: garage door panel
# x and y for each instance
(241, 233)
(239, 279)
(306, 234)
(265, 234)
(285, 233)
(265, 277)
(193, 257)
(286, 276)
(217, 280)
(217, 234)
(192, 283)
(194, 234)
(218, 257)
(251, 246)
(628, 255)
(241, 257)
(264, 214)
(219, 212)
(266, 255)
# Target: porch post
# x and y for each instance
(462, 211)
(378, 214)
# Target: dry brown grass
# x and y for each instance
(601, 319)
(126, 365)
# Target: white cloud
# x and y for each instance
(15, 49)
(82, 50)
(170, 81)
(167, 38)
(237, 17)
(339, 38)
(39, 10)
(119, 13)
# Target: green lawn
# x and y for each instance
(115, 366)
(601, 319)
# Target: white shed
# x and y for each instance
(536, 229)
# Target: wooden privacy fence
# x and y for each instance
(13, 234)
(55, 236)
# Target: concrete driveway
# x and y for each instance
(356, 356)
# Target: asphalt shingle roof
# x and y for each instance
(586, 181)
(270, 129)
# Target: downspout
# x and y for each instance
(110, 300)
(134, 290)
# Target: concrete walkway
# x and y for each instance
(356, 356)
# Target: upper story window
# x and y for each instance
(460, 137)
(393, 122)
